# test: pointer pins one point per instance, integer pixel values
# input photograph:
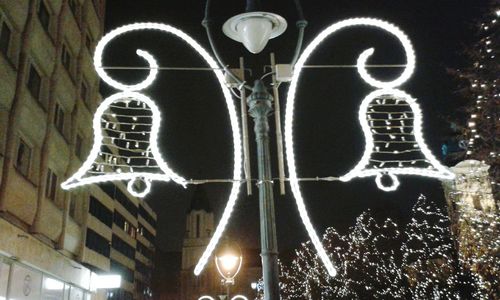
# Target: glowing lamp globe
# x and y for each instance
(254, 29)
(228, 260)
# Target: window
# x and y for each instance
(44, 16)
(197, 226)
(122, 223)
(127, 274)
(97, 242)
(5, 34)
(132, 232)
(84, 93)
(88, 41)
(147, 216)
(34, 82)
(123, 247)
(51, 185)
(101, 212)
(66, 58)
(97, 7)
(142, 268)
(59, 118)
(73, 6)
(126, 202)
(145, 251)
(79, 146)
(146, 234)
(72, 206)
(23, 158)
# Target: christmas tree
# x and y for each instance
(366, 265)
(376, 261)
(479, 127)
(427, 253)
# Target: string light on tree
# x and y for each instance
(371, 266)
(479, 87)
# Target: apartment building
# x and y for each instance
(52, 241)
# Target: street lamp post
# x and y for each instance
(260, 106)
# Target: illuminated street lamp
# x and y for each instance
(228, 260)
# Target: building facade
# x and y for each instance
(475, 221)
(53, 241)
(199, 231)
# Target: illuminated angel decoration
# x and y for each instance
(386, 90)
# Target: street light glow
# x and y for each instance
(228, 262)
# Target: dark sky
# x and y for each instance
(195, 133)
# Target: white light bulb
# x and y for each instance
(255, 33)
(228, 262)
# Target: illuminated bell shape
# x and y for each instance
(392, 124)
(126, 128)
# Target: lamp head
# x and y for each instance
(228, 261)
(254, 29)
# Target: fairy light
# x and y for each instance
(77, 179)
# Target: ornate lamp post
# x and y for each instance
(254, 28)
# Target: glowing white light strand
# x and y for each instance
(361, 67)
(360, 170)
(141, 85)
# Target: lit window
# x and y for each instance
(23, 158)
(5, 34)
(51, 184)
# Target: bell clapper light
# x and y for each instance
(254, 28)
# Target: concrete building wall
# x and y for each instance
(48, 93)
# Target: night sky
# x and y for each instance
(195, 132)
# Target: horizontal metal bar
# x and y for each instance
(248, 69)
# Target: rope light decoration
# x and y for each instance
(126, 126)
(396, 122)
